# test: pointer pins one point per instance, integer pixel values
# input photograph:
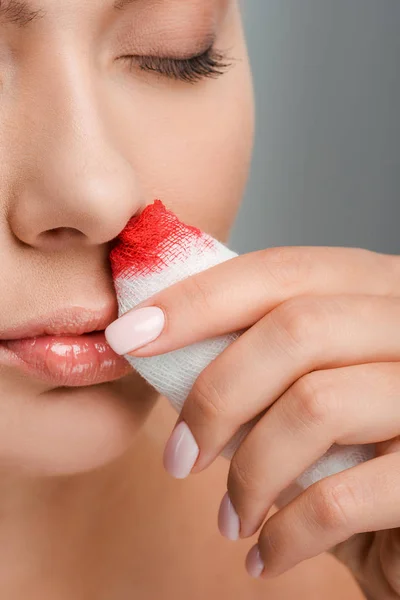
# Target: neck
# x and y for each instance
(61, 529)
(126, 530)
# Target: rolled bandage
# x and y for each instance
(155, 251)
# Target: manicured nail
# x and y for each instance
(228, 520)
(254, 562)
(135, 329)
(181, 452)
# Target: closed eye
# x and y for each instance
(209, 64)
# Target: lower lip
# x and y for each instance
(72, 361)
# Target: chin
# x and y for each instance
(67, 431)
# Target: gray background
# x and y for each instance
(326, 168)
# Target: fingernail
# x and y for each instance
(181, 452)
(228, 519)
(254, 562)
(135, 329)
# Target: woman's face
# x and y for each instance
(102, 110)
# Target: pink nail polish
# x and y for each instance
(181, 452)
(254, 562)
(135, 329)
(228, 520)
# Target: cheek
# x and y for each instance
(192, 144)
(70, 431)
(200, 167)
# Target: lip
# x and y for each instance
(74, 320)
(66, 348)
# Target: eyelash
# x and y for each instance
(209, 64)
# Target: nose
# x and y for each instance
(74, 182)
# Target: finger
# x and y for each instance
(300, 336)
(390, 558)
(364, 498)
(237, 293)
(349, 405)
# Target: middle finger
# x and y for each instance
(300, 336)
(346, 406)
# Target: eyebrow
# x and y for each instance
(121, 4)
(17, 12)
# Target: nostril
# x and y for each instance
(60, 236)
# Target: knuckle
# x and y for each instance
(209, 399)
(198, 293)
(315, 401)
(389, 556)
(335, 505)
(299, 319)
(287, 266)
(394, 539)
(273, 542)
(386, 375)
(242, 477)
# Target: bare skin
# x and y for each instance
(129, 529)
(87, 139)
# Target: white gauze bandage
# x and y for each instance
(155, 251)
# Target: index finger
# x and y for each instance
(236, 294)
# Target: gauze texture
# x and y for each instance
(155, 251)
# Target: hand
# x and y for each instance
(321, 352)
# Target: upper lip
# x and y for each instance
(74, 320)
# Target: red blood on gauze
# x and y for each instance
(153, 252)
